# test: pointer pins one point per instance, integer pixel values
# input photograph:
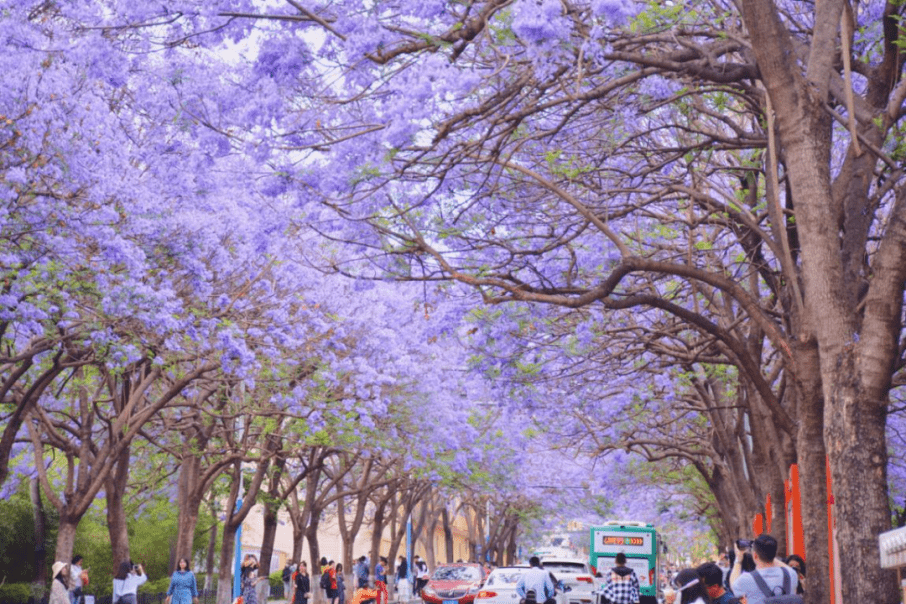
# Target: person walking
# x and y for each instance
(59, 588)
(536, 580)
(183, 586)
(127, 581)
(302, 584)
(249, 579)
(341, 585)
(622, 584)
(75, 580)
(420, 568)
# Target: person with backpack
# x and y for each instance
(324, 581)
(622, 584)
(332, 592)
(713, 577)
(772, 581)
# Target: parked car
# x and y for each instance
(453, 584)
(500, 587)
(576, 575)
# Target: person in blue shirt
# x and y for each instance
(361, 572)
(380, 571)
(183, 588)
(537, 580)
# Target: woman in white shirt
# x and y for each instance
(690, 588)
(126, 582)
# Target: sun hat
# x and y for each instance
(57, 567)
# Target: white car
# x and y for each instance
(576, 575)
(500, 587)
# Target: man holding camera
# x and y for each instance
(770, 574)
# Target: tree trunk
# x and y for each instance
(66, 537)
(311, 535)
(269, 535)
(37, 507)
(448, 535)
(429, 545)
(377, 532)
(189, 500)
(225, 569)
(117, 527)
(812, 463)
(855, 439)
(212, 545)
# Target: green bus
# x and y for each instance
(639, 541)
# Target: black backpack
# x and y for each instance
(772, 598)
(286, 574)
(325, 580)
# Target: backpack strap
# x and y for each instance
(760, 582)
(787, 582)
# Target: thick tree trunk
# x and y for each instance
(812, 463)
(854, 435)
(66, 537)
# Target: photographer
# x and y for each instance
(126, 582)
(770, 574)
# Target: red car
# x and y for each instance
(453, 584)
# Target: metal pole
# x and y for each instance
(409, 547)
(237, 563)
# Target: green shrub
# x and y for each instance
(158, 586)
(276, 579)
(17, 593)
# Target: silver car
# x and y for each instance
(576, 575)
(500, 587)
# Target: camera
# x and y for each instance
(744, 543)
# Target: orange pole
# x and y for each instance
(794, 518)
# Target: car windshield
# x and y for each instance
(504, 577)
(456, 573)
(569, 568)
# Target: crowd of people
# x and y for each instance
(750, 573)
